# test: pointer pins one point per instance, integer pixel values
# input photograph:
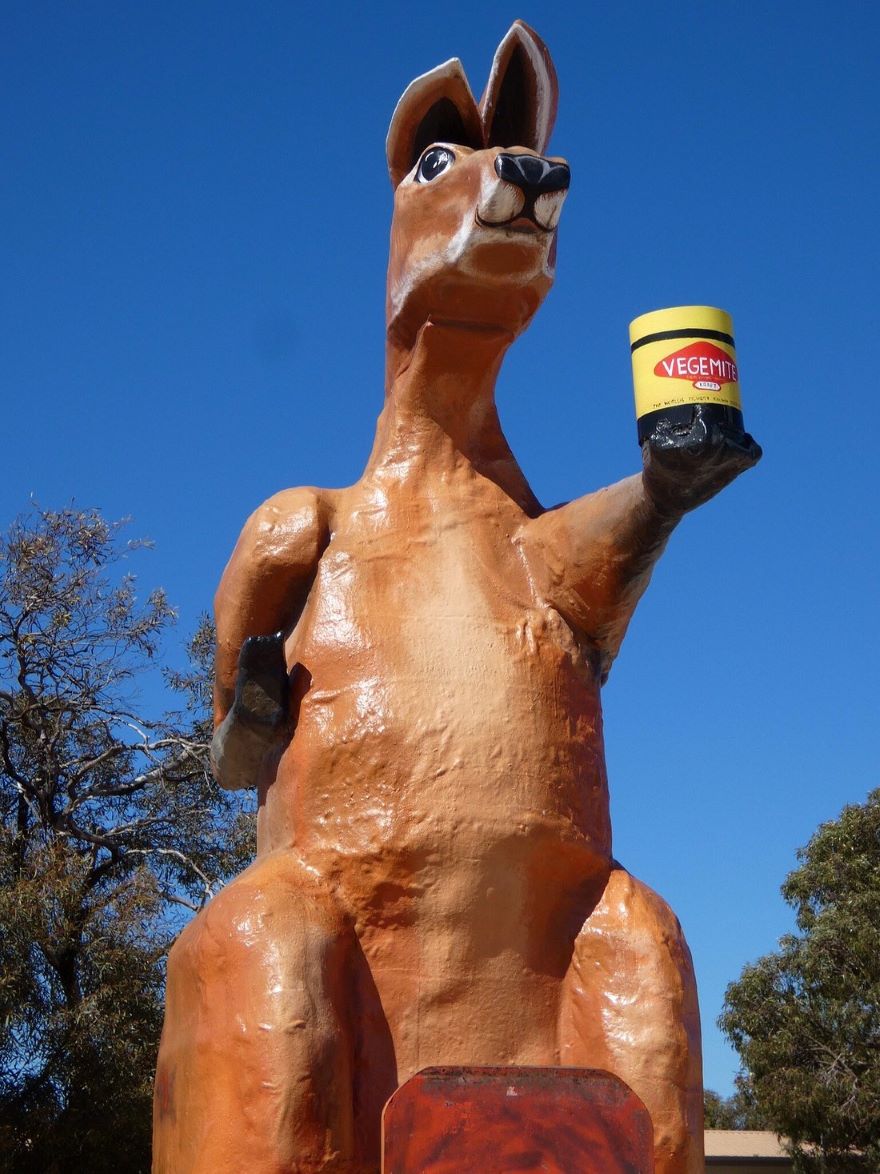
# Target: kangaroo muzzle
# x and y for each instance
(524, 187)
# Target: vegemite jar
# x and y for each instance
(681, 357)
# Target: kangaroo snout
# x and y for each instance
(531, 190)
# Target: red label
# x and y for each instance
(701, 363)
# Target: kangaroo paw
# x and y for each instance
(260, 715)
(687, 465)
(262, 687)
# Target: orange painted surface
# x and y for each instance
(434, 881)
(552, 1120)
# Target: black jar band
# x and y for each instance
(683, 332)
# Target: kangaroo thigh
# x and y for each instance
(254, 1065)
(629, 1005)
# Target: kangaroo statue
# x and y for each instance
(409, 672)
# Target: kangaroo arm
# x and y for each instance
(597, 554)
(267, 579)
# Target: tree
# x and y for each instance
(110, 825)
(738, 1111)
(806, 1020)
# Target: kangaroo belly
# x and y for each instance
(447, 710)
(447, 778)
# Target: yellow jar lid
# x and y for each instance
(692, 319)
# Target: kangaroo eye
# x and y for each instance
(434, 161)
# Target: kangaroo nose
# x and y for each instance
(532, 174)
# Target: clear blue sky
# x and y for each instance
(195, 211)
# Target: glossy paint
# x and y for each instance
(434, 882)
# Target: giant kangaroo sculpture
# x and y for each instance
(434, 881)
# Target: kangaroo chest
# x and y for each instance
(435, 682)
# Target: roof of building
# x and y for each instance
(743, 1143)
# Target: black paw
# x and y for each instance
(262, 687)
(687, 464)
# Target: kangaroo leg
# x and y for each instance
(254, 1068)
(629, 1005)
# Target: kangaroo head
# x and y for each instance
(476, 204)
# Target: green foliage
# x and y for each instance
(806, 1020)
(110, 825)
(739, 1111)
(717, 1111)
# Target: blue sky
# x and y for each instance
(195, 210)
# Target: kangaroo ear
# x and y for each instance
(518, 108)
(436, 107)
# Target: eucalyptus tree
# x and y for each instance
(806, 1019)
(112, 831)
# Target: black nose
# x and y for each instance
(533, 174)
